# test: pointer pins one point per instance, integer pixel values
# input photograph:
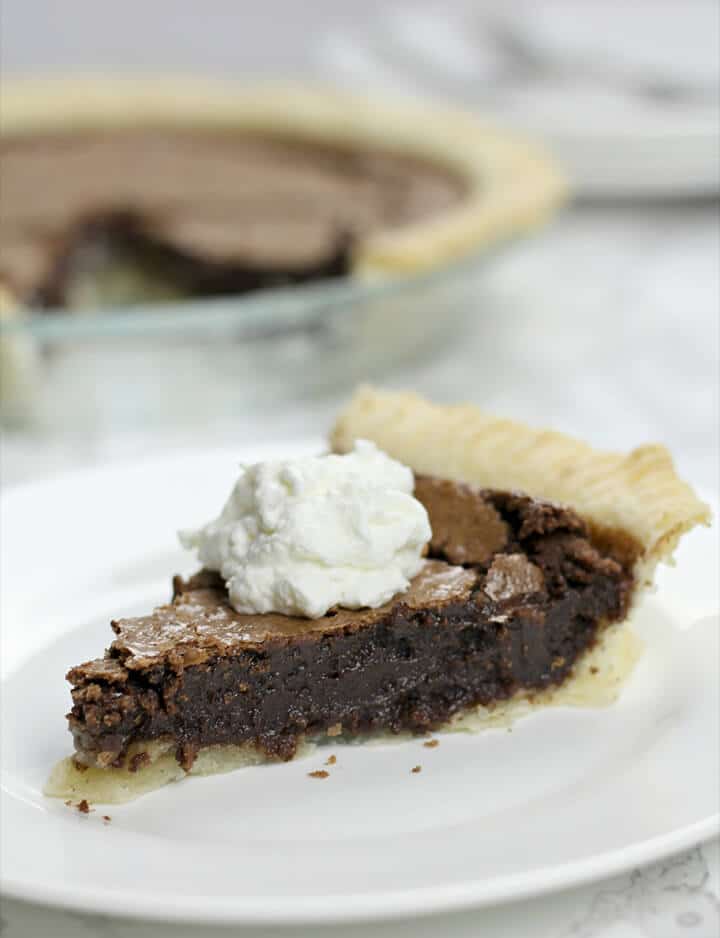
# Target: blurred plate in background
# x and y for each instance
(626, 96)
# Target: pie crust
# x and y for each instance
(634, 502)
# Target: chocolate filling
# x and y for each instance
(118, 258)
(199, 673)
(127, 214)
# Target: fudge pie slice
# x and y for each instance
(439, 563)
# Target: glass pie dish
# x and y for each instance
(406, 202)
(179, 362)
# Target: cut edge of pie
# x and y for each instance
(597, 681)
(636, 504)
(511, 184)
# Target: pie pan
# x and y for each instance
(407, 289)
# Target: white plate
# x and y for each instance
(567, 796)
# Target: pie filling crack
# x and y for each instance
(520, 585)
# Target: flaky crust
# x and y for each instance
(510, 185)
(634, 501)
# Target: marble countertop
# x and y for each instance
(606, 326)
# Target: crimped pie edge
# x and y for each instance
(635, 499)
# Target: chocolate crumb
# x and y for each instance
(415, 769)
(106, 818)
(138, 761)
(319, 773)
(431, 743)
(331, 760)
(594, 670)
(82, 806)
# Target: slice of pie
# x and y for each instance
(539, 544)
(119, 191)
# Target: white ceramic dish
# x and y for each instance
(566, 797)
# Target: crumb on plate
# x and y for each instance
(82, 807)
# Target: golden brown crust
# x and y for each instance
(634, 502)
(510, 186)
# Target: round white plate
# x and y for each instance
(565, 797)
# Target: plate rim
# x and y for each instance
(389, 906)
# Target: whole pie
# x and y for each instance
(115, 191)
(539, 546)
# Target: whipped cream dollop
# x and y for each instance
(300, 536)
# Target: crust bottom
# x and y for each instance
(597, 681)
